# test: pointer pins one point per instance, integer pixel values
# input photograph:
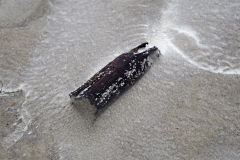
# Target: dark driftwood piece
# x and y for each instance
(110, 80)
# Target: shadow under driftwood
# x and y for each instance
(90, 112)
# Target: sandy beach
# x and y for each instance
(186, 106)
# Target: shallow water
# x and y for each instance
(186, 106)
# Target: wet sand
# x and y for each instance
(185, 107)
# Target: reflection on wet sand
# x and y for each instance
(20, 13)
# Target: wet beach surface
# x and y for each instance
(187, 106)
